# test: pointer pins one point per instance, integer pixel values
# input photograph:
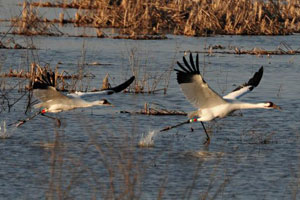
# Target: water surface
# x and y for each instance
(95, 150)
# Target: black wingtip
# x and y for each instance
(255, 80)
(188, 70)
(39, 85)
(46, 79)
(122, 86)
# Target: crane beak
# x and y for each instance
(106, 103)
(109, 104)
(276, 107)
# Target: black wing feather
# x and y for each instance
(39, 85)
(185, 75)
(192, 62)
(184, 69)
(122, 86)
(197, 63)
(46, 79)
(254, 81)
(257, 77)
(187, 64)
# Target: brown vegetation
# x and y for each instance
(29, 23)
(12, 45)
(282, 49)
(34, 73)
(147, 81)
(193, 18)
(148, 110)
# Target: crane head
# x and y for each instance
(272, 105)
(105, 102)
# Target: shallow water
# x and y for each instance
(94, 153)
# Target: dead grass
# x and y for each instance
(11, 44)
(282, 49)
(30, 23)
(63, 80)
(192, 18)
(151, 109)
(147, 81)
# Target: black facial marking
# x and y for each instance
(105, 101)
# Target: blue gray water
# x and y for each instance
(94, 153)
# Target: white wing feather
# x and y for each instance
(246, 87)
(200, 94)
(194, 87)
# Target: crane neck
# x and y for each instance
(243, 105)
(95, 103)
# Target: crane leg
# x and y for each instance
(58, 122)
(207, 142)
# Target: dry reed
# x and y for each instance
(155, 110)
(147, 81)
(282, 49)
(31, 23)
(192, 18)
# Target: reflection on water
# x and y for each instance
(94, 153)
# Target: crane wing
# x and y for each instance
(49, 93)
(196, 90)
(246, 87)
(44, 87)
(109, 91)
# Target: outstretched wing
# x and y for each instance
(109, 91)
(44, 90)
(246, 87)
(122, 86)
(47, 93)
(46, 78)
(196, 90)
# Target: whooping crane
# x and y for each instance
(54, 101)
(210, 104)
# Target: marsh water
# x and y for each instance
(254, 154)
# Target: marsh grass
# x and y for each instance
(282, 49)
(192, 18)
(147, 81)
(153, 109)
(30, 23)
(8, 96)
(11, 44)
(64, 81)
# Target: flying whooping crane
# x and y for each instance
(209, 103)
(54, 101)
